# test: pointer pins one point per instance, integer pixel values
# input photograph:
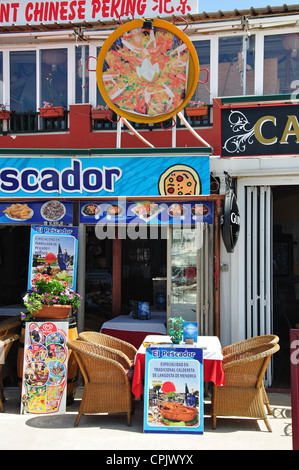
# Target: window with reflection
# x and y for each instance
(54, 77)
(281, 63)
(236, 66)
(100, 99)
(82, 77)
(22, 81)
(202, 92)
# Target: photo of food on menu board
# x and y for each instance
(147, 210)
(122, 211)
(36, 212)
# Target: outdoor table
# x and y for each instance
(133, 330)
(10, 311)
(212, 360)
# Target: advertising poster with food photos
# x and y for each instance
(146, 212)
(44, 379)
(53, 251)
(36, 212)
(173, 390)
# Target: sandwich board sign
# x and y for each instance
(173, 392)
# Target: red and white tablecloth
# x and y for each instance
(134, 331)
(212, 361)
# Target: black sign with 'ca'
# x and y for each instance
(230, 222)
(260, 130)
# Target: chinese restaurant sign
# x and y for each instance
(146, 212)
(53, 251)
(44, 378)
(173, 390)
(36, 212)
(104, 177)
(64, 11)
(259, 130)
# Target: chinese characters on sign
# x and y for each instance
(36, 12)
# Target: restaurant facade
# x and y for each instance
(221, 247)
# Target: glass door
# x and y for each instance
(190, 275)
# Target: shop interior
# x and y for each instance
(143, 266)
(14, 259)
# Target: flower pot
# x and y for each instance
(197, 111)
(175, 341)
(55, 111)
(53, 311)
(4, 114)
(101, 114)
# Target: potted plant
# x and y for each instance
(49, 110)
(196, 108)
(4, 113)
(49, 298)
(175, 329)
(101, 112)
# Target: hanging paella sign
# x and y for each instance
(147, 70)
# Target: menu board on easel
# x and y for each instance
(44, 379)
(173, 390)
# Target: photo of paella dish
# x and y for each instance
(177, 414)
(145, 72)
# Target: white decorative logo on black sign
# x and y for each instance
(239, 124)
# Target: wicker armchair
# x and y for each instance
(106, 385)
(106, 340)
(5, 345)
(249, 343)
(9, 326)
(229, 354)
(243, 393)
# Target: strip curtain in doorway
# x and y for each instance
(258, 264)
(205, 285)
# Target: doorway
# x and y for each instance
(98, 280)
(271, 271)
(143, 266)
(285, 276)
(172, 271)
(190, 276)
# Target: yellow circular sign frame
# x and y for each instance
(193, 71)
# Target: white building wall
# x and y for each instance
(250, 171)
